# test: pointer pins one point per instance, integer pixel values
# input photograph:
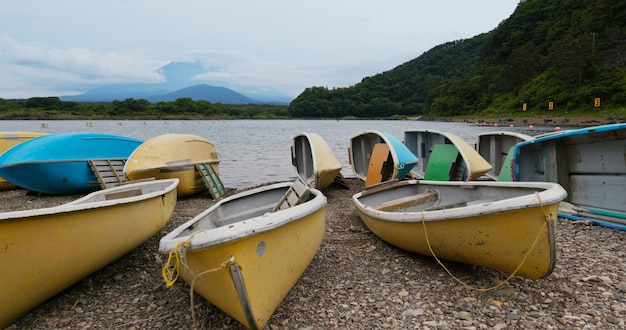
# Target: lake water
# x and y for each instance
(253, 152)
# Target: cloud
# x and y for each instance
(52, 70)
(74, 45)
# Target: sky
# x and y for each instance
(67, 47)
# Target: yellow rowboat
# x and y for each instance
(173, 156)
(8, 140)
(495, 147)
(444, 156)
(508, 226)
(244, 257)
(46, 250)
(315, 162)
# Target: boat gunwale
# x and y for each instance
(57, 139)
(526, 137)
(173, 168)
(201, 239)
(574, 132)
(56, 161)
(79, 205)
(552, 193)
(308, 137)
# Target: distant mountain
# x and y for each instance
(179, 83)
(119, 92)
(159, 93)
(204, 92)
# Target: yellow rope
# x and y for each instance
(536, 240)
(170, 271)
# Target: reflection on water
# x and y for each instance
(253, 152)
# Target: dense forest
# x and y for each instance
(567, 52)
(550, 56)
(182, 108)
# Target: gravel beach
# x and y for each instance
(356, 281)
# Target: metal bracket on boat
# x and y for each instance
(243, 295)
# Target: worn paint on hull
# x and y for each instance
(47, 250)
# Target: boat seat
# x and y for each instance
(296, 194)
(459, 204)
(240, 216)
(406, 202)
(380, 165)
(123, 194)
(444, 164)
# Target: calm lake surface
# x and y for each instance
(254, 152)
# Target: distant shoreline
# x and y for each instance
(577, 121)
(541, 121)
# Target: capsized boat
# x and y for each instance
(245, 253)
(315, 162)
(47, 250)
(378, 156)
(495, 147)
(444, 156)
(590, 163)
(175, 156)
(508, 226)
(59, 163)
(10, 139)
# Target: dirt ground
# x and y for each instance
(356, 281)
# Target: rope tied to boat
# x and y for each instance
(176, 258)
(548, 218)
(224, 264)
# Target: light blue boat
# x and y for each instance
(58, 163)
(378, 156)
(590, 163)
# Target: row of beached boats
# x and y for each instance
(493, 205)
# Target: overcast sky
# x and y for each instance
(63, 47)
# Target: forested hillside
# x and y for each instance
(568, 52)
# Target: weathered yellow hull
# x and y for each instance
(8, 140)
(268, 278)
(246, 266)
(47, 250)
(191, 182)
(315, 162)
(504, 234)
(173, 156)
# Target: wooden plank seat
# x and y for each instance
(298, 193)
(408, 201)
